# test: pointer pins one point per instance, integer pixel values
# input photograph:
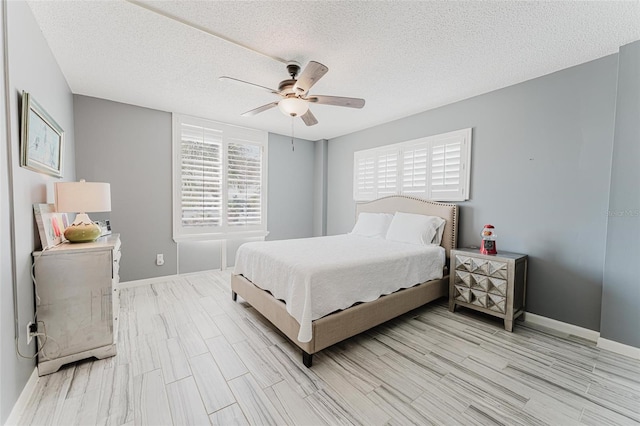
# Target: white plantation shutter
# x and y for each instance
(449, 168)
(435, 167)
(387, 173)
(219, 179)
(364, 176)
(244, 184)
(201, 177)
(414, 169)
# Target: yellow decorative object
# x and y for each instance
(82, 233)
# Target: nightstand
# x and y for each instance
(78, 302)
(493, 284)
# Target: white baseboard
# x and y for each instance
(146, 281)
(23, 399)
(619, 348)
(562, 327)
(585, 333)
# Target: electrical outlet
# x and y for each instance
(29, 333)
(159, 259)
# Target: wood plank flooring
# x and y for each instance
(188, 355)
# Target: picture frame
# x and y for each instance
(51, 225)
(42, 139)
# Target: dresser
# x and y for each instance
(77, 302)
(493, 284)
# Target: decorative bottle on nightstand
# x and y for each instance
(488, 240)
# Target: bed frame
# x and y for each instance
(343, 324)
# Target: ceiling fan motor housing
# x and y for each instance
(286, 86)
(293, 68)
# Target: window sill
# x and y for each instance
(226, 236)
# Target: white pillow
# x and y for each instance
(415, 229)
(372, 225)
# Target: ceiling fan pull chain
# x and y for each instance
(293, 148)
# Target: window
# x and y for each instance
(435, 168)
(219, 180)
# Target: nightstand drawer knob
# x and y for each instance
(463, 278)
(496, 269)
(462, 294)
(496, 303)
(497, 286)
(479, 282)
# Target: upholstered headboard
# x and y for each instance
(402, 203)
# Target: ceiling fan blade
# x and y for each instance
(309, 76)
(337, 101)
(309, 119)
(235, 80)
(260, 109)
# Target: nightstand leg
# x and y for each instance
(452, 306)
(508, 324)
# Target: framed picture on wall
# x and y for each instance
(41, 139)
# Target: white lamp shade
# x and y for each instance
(293, 106)
(82, 197)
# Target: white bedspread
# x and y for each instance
(317, 276)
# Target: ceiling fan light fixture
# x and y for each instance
(293, 107)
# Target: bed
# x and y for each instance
(312, 335)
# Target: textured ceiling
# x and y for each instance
(402, 57)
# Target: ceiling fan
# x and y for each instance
(295, 93)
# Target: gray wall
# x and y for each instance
(194, 256)
(6, 267)
(320, 188)
(621, 289)
(130, 147)
(290, 195)
(32, 68)
(540, 174)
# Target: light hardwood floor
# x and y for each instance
(187, 354)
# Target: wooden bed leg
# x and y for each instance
(307, 359)
(234, 296)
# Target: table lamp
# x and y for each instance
(82, 198)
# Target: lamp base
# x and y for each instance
(82, 233)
